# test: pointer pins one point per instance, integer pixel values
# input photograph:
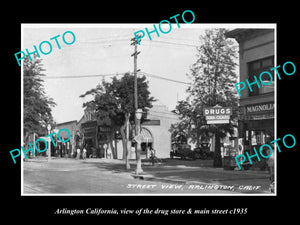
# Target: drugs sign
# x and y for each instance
(217, 114)
(214, 111)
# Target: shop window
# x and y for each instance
(257, 138)
(255, 68)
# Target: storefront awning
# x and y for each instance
(146, 136)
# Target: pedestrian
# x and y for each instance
(78, 153)
(152, 156)
(84, 154)
(270, 162)
(104, 146)
(109, 153)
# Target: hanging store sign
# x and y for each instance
(260, 108)
(151, 123)
(89, 129)
(261, 111)
(104, 129)
(217, 114)
(89, 125)
(214, 111)
(218, 117)
(217, 121)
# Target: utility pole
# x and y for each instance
(136, 121)
(134, 43)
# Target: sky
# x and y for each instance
(104, 49)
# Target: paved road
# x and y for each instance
(100, 176)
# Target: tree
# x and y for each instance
(191, 122)
(213, 74)
(37, 106)
(213, 77)
(115, 100)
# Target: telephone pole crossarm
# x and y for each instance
(134, 41)
(135, 53)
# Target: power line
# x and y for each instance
(107, 38)
(163, 78)
(174, 43)
(182, 39)
(79, 76)
(113, 40)
(110, 75)
(102, 42)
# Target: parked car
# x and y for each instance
(182, 150)
(203, 151)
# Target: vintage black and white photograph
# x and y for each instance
(171, 108)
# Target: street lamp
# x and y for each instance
(138, 116)
(139, 113)
(49, 149)
(55, 131)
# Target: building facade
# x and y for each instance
(66, 149)
(158, 124)
(257, 117)
(103, 140)
(98, 135)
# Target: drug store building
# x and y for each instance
(256, 119)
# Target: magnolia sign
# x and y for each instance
(260, 108)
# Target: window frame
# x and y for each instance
(257, 72)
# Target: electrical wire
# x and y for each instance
(163, 78)
(174, 43)
(79, 76)
(107, 38)
(109, 75)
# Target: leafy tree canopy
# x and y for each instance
(115, 99)
(213, 77)
(37, 106)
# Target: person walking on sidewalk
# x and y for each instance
(270, 163)
(152, 156)
(78, 153)
(84, 153)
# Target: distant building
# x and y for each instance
(256, 120)
(66, 148)
(100, 136)
(156, 128)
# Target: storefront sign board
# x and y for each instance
(217, 121)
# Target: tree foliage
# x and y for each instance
(213, 77)
(213, 74)
(115, 100)
(191, 122)
(37, 106)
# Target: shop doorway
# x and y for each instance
(147, 143)
(255, 138)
